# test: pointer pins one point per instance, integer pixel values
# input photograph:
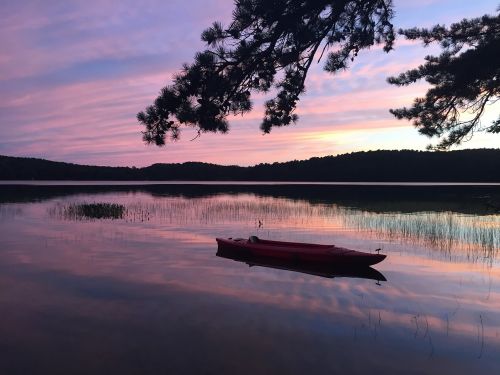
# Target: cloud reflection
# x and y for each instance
(137, 296)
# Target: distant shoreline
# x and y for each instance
(236, 183)
(382, 167)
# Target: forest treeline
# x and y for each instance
(475, 165)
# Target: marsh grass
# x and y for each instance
(443, 230)
(449, 231)
(89, 211)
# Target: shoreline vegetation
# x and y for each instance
(474, 236)
(474, 165)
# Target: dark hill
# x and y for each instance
(478, 165)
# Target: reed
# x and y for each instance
(86, 211)
(445, 230)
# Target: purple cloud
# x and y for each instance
(74, 74)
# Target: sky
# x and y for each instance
(74, 74)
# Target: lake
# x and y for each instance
(126, 279)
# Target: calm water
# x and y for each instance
(140, 290)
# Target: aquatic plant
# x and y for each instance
(443, 230)
(473, 236)
(78, 211)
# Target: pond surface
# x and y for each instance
(126, 280)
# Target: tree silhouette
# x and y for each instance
(465, 78)
(269, 44)
(272, 44)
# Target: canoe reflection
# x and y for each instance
(316, 269)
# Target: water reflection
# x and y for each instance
(321, 270)
(475, 200)
(479, 236)
(145, 294)
(474, 237)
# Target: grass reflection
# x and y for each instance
(10, 211)
(442, 230)
(449, 231)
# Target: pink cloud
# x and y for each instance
(60, 100)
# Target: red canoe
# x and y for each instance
(300, 252)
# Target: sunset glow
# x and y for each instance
(73, 76)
